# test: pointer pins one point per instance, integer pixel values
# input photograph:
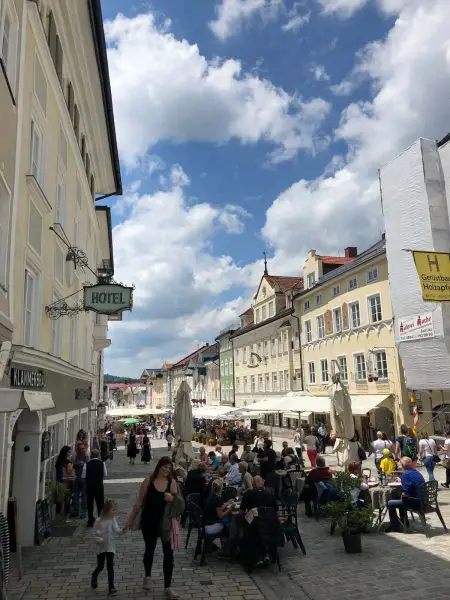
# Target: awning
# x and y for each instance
(12, 400)
(295, 402)
(363, 404)
(134, 412)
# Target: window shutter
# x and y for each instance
(52, 36)
(76, 121)
(328, 323)
(59, 60)
(70, 100)
(345, 316)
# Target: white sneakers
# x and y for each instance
(146, 585)
(170, 594)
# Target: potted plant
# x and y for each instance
(351, 520)
(58, 493)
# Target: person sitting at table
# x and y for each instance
(291, 459)
(411, 481)
(321, 473)
(285, 447)
(258, 496)
(267, 458)
(387, 463)
(358, 492)
(203, 455)
(215, 509)
(219, 452)
(195, 480)
(246, 477)
(234, 450)
(233, 476)
(214, 461)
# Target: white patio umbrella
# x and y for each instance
(341, 418)
(182, 422)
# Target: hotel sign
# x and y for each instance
(24, 378)
(108, 298)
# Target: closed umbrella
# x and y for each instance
(341, 418)
(182, 422)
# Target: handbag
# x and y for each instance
(445, 462)
(361, 453)
(436, 459)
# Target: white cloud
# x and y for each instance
(232, 13)
(296, 18)
(232, 218)
(320, 73)
(344, 88)
(343, 8)
(178, 95)
(409, 72)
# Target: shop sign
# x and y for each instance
(25, 378)
(108, 298)
(433, 269)
(417, 327)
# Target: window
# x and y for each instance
(264, 312)
(308, 331)
(251, 358)
(252, 384)
(56, 332)
(59, 264)
(352, 283)
(266, 347)
(375, 309)
(324, 370)
(320, 322)
(280, 343)
(260, 349)
(336, 291)
(296, 340)
(55, 46)
(40, 84)
(342, 363)
(236, 356)
(244, 355)
(29, 299)
(260, 383)
(35, 228)
(311, 373)
(310, 280)
(74, 341)
(238, 384)
(282, 381)
(381, 366)
(70, 100)
(287, 381)
(284, 341)
(372, 275)
(245, 384)
(9, 35)
(4, 221)
(271, 309)
(267, 382)
(88, 351)
(273, 347)
(76, 122)
(318, 299)
(355, 317)
(37, 153)
(360, 367)
(88, 165)
(337, 319)
(274, 382)
(306, 305)
(257, 315)
(83, 148)
(298, 379)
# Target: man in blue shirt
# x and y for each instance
(411, 482)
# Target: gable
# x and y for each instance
(264, 292)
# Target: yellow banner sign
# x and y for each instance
(433, 269)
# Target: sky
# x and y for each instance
(251, 126)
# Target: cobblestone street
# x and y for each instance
(405, 565)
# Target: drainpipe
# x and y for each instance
(300, 351)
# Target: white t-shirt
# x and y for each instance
(379, 446)
(105, 531)
(428, 447)
(311, 442)
(297, 439)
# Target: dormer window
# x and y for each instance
(264, 292)
(310, 280)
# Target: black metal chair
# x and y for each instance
(229, 493)
(270, 534)
(428, 496)
(289, 525)
(191, 499)
(203, 539)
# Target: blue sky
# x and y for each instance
(252, 125)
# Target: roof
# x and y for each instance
(281, 283)
(249, 311)
(378, 249)
(98, 34)
(335, 260)
(184, 361)
(247, 328)
(226, 331)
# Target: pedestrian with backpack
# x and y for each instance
(406, 444)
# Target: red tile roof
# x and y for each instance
(184, 361)
(284, 284)
(335, 260)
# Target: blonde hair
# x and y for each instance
(217, 486)
(380, 435)
(109, 506)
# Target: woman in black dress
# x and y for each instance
(146, 455)
(132, 447)
(156, 491)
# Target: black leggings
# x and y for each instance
(109, 557)
(150, 539)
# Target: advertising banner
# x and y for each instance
(433, 269)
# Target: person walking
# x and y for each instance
(64, 474)
(169, 438)
(94, 471)
(105, 531)
(146, 450)
(298, 442)
(79, 502)
(428, 454)
(446, 461)
(378, 446)
(132, 447)
(161, 507)
(312, 446)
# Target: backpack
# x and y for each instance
(409, 447)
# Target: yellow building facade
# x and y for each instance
(347, 325)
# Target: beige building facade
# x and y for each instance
(66, 160)
(347, 325)
(266, 347)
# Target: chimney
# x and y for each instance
(351, 252)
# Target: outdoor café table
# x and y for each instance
(380, 497)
